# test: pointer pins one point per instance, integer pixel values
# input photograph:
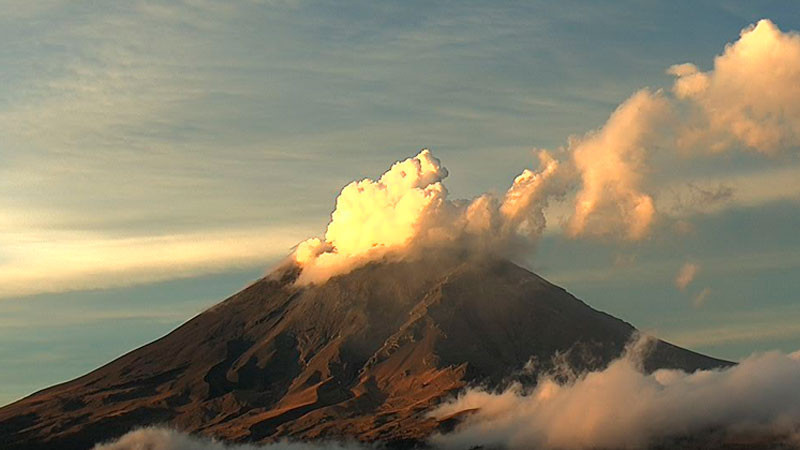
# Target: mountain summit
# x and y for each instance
(364, 355)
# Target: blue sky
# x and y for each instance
(156, 157)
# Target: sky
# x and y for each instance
(156, 157)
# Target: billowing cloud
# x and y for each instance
(612, 165)
(407, 209)
(373, 217)
(686, 275)
(622, 407)
(752, 96)
(167, 439)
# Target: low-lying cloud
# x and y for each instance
(757, 400)
(623, 407)
(167, 439)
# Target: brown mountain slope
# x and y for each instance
(364, 355)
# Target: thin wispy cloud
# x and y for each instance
(686, 275)
(701, 298)
(736, 333)
(646, 271)
(58, 262)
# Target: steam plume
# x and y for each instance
(750, 99)
(611, 164)
(407, 207)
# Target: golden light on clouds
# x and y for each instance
(43, 262)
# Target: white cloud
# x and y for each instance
(752, 96)
(34, 263)
(612, 163)
(166, 439)
(621, 407)
(407, 210)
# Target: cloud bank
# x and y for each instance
(749, 100)
(167, 439)
(757, 400)
(622, 407)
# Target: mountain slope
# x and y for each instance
(364, 355)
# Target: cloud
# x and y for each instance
(611, 163)
(622, 407)
(782, 326)
(751, 99)
(617, 407)
(40, 262)
(686, 275)
(752, 96)
(407, 210)
(696, 198)
(608, 168)
(372, 217)
(167, 439)
(701, 298)
(604, 175)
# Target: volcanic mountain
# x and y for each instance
(364, 355)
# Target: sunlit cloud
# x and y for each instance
(611, 163)
(623, 407)
(167, 439)
(407, 211)
(751, 98)
(59, 261)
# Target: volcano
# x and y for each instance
(364, 356)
